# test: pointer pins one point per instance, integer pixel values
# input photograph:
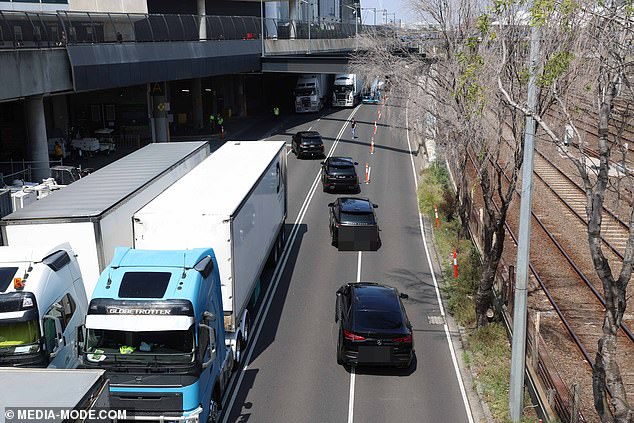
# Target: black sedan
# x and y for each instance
(307, 144)
(373, 326)
(353, 225)
(339, 173)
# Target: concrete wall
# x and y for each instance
(113, 6)
(29, 72)
(285, 47)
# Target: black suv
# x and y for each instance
(339, 173)
(307, 143)
(373, 326)
(353, 225)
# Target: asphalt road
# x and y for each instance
(291, 373)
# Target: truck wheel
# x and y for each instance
(238, 358)
(214, 406)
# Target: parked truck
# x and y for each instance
(95, 213)
(42, 301)
(56, 396)
(155, 325)
(346, 90)
(311, 92)
(240, 212)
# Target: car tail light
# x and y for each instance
(404, 340)
(322, 147)
(350, 336)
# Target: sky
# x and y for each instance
(400, 7)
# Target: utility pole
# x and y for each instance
(518, 354)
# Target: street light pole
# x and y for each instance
(373, 9)
(518, 352)
(355, 10)
(262, 24)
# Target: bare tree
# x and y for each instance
(585, 74)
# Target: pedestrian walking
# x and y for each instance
(353, 126)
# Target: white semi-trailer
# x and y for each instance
(346, 90)
(94, 214)
(239, 211)
(311, 92)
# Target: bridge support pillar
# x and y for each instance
(293, 12)
(38, 142)
(159, 106)
(197, 103)
(201, 10)
(242, 97)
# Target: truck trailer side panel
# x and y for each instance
(239, 211)
(254, 231)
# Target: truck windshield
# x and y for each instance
(304, 91)
(340, 89)
(19, 337)
(152, 347)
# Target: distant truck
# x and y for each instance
(311, 92)
(95, 213)
(373, 93)
(56, 396)
(42, 301)
(240, 212)
(155, 325)
(346, 90)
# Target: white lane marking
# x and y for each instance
(311, 127)
(463, 392)
(275, 279)
(352, 369)
(351, 405)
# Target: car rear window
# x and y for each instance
(367, 218)
(376, 320)
(311, 140)
(343, 169)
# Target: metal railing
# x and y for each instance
(49, 30)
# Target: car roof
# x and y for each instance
(309, 134)
(373, 296)
(355, 204)
(336, 160)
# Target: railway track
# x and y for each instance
(569, 291)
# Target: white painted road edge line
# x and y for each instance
(351, 404)
(275, 279)
(352, 368)
(454, 359)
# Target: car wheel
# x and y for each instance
(340, 358)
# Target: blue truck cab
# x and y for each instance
(155, 324)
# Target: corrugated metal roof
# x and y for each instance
(103, 189)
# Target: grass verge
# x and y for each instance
(488, 351)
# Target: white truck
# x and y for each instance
(94, 214)
(238, 211)
(55, 396)
(346, 90)
(311, 92)
(42, 301)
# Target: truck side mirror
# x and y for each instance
(404, 296)
(376, 206)
(52, 334)
(212, 344)
(331, 204)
